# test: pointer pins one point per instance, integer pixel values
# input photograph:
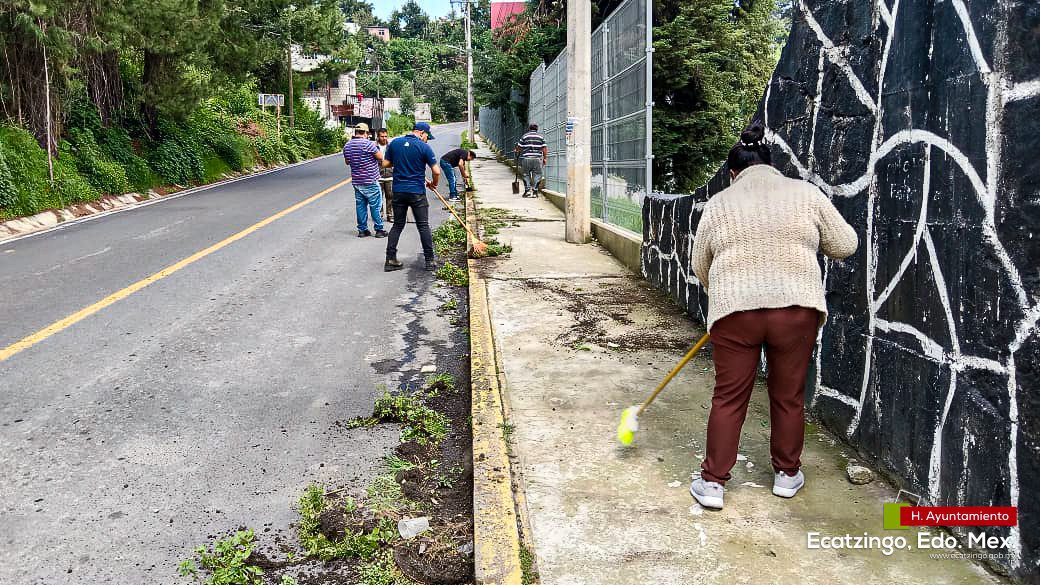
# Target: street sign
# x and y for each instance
(270, 99)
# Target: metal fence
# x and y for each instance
(621, 122)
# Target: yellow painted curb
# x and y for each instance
(496, 539)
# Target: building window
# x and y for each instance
(334, 83)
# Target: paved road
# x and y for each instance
(205, 400)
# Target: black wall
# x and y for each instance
(921, 119)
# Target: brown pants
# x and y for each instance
(789, 336)
(388, 200)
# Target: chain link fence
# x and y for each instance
(622, 117)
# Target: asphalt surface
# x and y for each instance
(208, 399)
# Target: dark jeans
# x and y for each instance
(421, 212)
(789, 336)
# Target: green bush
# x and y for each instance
(105, 174)
(178, 157)
(27, 163)
(209, 127)
(69, 186)
(8, 193)
(267, 148)
(399, 124)
(117, 144)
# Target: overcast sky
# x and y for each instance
(434, 8)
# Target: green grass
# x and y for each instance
(494, 248)
(453, 275)
(449, 305)
(528, 576)
(214, 169)
(421, 423)
(362, 545)
(443, 380)
(449, 237)
(226, 562)
(396, 464)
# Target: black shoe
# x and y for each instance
(431, 265)
(381, 233)
(392, 264)
(364, 234)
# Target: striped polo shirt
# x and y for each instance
(360, 155)
(531, 145)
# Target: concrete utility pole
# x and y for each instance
(579, 117)
(292, 119)
(469, 76)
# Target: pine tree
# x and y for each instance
(712, 60)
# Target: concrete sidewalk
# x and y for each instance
(579, 338)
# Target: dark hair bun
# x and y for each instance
(753, 134)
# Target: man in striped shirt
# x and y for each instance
(363, 157)
(533, 153)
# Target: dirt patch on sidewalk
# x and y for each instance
(621, 314)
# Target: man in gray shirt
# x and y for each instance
(533, 153)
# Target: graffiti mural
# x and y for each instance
(921, 120)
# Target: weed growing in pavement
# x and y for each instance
(438, 382)
(494, 248)
(449, 305)
(287, 580)
(447, 480)
(353, 544)
(226, 562)
(384, 496)
(383, 571)
(422, 423)
(507, 430)
(449, 237)
(396, 464)
(452, 275)
(527, 574)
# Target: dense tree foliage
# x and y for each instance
(712, 60)
(425, 59)
(138, 93)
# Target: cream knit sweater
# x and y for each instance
(757, 242)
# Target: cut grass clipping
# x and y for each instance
(449, 237)
(453, 275)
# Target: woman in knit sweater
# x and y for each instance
(755, 253)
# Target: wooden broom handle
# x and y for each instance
(686, 358)
(452, 210)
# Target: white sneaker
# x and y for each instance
(786, 486)
(707, 493)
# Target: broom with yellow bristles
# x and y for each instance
(479, 247)
(626, 431)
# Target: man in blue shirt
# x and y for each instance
(409, 155)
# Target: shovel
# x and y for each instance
(516, 179)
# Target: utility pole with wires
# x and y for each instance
(469, 66)
(469, 76)
(292, 119)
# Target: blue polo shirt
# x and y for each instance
(410, 157)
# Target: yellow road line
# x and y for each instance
(82, 314)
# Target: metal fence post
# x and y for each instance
(649, 96)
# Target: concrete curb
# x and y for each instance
(496, 537)
(56, 219)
